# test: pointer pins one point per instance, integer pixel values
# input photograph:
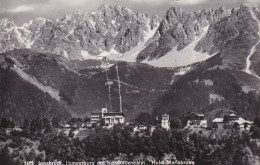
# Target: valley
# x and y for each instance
(95, 86)
(164, 81)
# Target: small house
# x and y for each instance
(64, 125)
(243, 124)
(140, 128)
(95, 117)
(87, 125)
(231, 117)
(220, 122)
(195, 116)
(228, 121)
(152, 129)
(196, 120)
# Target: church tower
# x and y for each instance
(166, 122)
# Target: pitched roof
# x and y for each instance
(242, 121)
(198, 114)
(113, 114)
(218, 120)
(165, 115)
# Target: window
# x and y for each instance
(112, 120)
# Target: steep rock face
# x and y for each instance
(120, 34)
(9, 36)
(14, 37)
(234, 37)
(232, 74)
(179, 28)
(80, 34)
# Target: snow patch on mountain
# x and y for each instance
(132, 54)
(65, 54)
(25, 26)
(180, 72)
(24, 37)
(3, 21)
(113, 22)
(246, 88)
(215, 97)
(208, 82)
(183, 57)
(71, 31)
(22, 40)
(86, 55)
(92, 23)
(112, 54)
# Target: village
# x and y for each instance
(79, 128)
(107, 120)
(105, 125)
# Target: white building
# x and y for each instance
(110, 118)
(231, 119)
(166, 122)
(95, 117)
(140, 128)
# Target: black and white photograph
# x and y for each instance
(129, 82)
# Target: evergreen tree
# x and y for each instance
(55, 122)
(5, 158)
(26, 124)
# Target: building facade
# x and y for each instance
(165, 122)
(196, 120)
(195, 116)
(95, 117)
(228, 121)
(109, 118)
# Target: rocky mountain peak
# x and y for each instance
(78, 12)
(104, 7)
(116, 10)
(3, 21)
(6, 23)
(179, 29)
(174, 11)
(80, 35)
(155, 21)
(75, 15)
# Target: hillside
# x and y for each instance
(21, 99)
(212, 90)
(80, 86)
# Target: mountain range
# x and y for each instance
(203, 61)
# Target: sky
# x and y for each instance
(23, 10)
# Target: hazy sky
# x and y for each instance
(22, 10)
